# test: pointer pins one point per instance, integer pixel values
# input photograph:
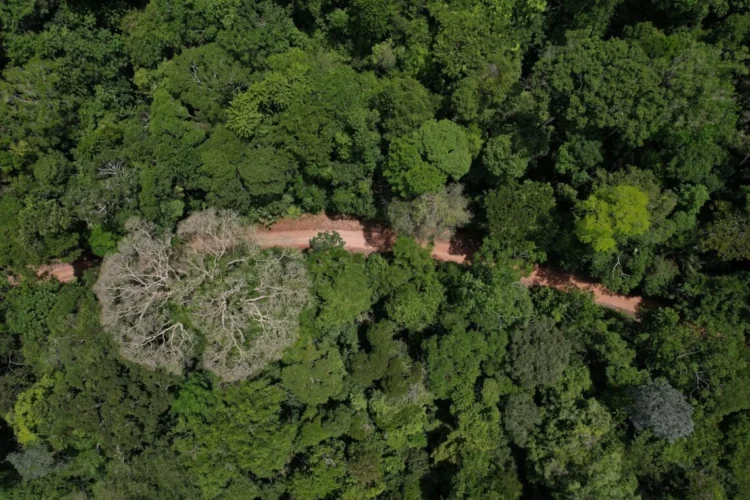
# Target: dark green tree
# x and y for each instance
(520, 216)
(521, 417)
(538, 353)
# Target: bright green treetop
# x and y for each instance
(612, 214)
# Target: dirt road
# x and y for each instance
(368, 238)
(64, 273)
(358, 236)
(627, 304)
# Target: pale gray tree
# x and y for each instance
(662, 409)
(216, 289)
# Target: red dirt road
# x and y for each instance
(367, 238)
(627, 304)
(358, 236)
(63, 272)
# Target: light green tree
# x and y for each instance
(612, 214)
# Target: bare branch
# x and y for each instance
(133, 289)
(243, 301)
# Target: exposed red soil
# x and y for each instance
(367, 238)
(627, 304)
(358, 236)
(64, 273)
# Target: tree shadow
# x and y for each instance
(378, 236)
(84, 263)
(648, 304)
(338, 216)
(558, 279)
(464, 243)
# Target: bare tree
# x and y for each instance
(134, 289)
(431, 215)
(215, 233)
(111, 168)
(243, 301)
(252, 315)
(210, 236)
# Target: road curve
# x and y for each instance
(368, 238)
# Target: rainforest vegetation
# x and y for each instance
(609, 138)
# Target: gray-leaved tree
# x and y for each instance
(33, 463)
(663, 409)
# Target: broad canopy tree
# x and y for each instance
(218, 291)
(423, 161)
(612, 214)
(431, 216)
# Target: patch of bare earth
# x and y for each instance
(565, 281)
(64, 273)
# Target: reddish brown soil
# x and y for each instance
(368, 238)
(64, 273)
(565, 281)
(357, 236)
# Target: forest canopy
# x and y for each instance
(146, 141)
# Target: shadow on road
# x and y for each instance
(85, 263)
(560, 280)
(464, 243)
(378, 236)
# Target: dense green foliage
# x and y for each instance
(607, 138)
